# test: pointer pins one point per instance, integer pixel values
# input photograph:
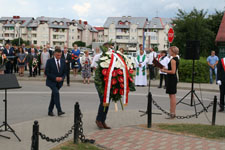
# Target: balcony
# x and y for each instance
(123, 33)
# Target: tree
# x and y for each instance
(192, 26)
(80, 43)
(19, 41)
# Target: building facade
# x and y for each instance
(128, 32)
(44, 30)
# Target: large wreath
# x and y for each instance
(114, 76)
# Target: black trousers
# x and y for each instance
(39, 69)
(162, 76)
(8, 67)
(102, 114)
(55, 99)
(151, 72)
(32, 73)
(68, 73)
(222, 93)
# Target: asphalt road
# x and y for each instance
(32, 100)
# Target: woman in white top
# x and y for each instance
(44, 57)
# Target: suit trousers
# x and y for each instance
(151, 72)
(8, 67)
(161, 79)
(102, 113)
(55, 99)
(222, 93)
(68, 73)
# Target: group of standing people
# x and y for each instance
(168, 72)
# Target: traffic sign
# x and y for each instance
(170, 35)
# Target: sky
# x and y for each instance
(97, 11)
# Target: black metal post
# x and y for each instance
(214, 111)
(5, 100)
(35, 136)
(149, 110)
(76, 122)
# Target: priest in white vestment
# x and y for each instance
(141, 66)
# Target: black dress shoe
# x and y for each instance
(51, 114)
(221, 110)
(159, 86)
(61, 113)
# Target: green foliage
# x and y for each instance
(19, 41)
(201, 70)
(90, 46)
(196, 26)
(80, 43)
(207, 131)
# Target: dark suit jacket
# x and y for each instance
(220, 72)
(51, 72)
(29, 50)
(11, 53)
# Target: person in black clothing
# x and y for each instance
(31, 57)
(39, 60)
(9, 54)
(14, 65)
(221, 81)
(67, 57)
(171, 88)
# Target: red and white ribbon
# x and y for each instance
(223, 63)
(106, 97)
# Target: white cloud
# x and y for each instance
(82, 10)
(173, 6)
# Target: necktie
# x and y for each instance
(58, 67)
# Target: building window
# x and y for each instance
(34, 35)
(35, 42)
(72, 37)
(78, 37)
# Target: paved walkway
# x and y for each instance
(124, 133)
(137, 138)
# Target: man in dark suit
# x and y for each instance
(67, 57)
(32, 47)
(102, 112)
(221, 81)
(30, 58)
(9, 53)
(55, 71)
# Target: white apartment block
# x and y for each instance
(129, 32)
(43, 30)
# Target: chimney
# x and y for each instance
(14, 17)
(80, 21)
(85, 22)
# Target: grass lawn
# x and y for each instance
(206, 131)
(81, 146)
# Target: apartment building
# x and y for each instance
(128, 32)
(43, 30)
(100, 38)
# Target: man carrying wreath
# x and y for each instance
(141, 66)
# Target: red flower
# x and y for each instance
(119, 71)
(131, 79)
(114, 73)
(131, 71)
(114, 81)
(104, 71)
(121, 91)
(115, 91)
(120, 79)
(105, 78)
(122, 85)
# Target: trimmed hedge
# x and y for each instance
(201, 70)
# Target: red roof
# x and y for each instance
(220, 37)
(99, 28)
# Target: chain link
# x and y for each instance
(53, 140)
(182, 117)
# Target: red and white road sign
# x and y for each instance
(170, 35)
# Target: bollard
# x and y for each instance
(76, 123)
(214, 111)
(149, 110)
(35, 136)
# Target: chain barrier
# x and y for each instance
(182, 117)
(81, 135)
(53, 140)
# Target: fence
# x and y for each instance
(77, 127)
